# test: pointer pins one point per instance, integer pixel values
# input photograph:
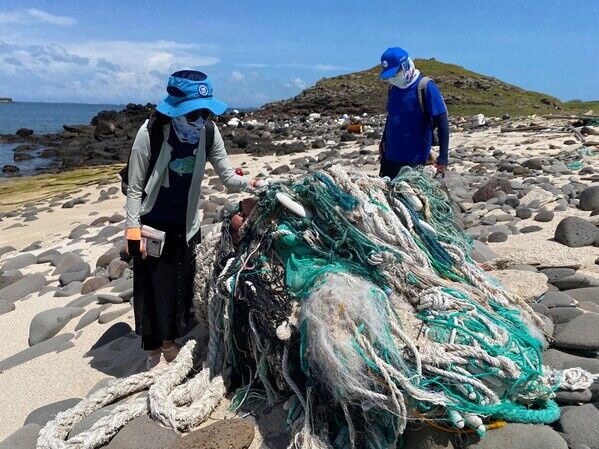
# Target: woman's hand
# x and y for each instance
(134, 243)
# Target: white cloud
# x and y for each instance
(296, 83)
(237, 76)
(27, 16)
(319, 67)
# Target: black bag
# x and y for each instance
(156, 139)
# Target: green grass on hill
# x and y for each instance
(466, 93)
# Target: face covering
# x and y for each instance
(406, 75)
(188, 132)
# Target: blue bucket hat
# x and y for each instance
(392, 61)
(189, 90)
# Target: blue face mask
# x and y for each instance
(188, 132)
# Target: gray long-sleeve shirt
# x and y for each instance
(138, 167)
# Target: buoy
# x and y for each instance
(293, 206)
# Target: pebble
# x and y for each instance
(579, 425)
(20, 261)
(42, 415)
(88, 317)
(50, 256)
(513, 436)
(9, 277)
(226, 434)
(48, 323)
(28, 284)
(107, 317)
(589, 198)
(144, 432)
(557, 299)
(576, 232)
(582, 333)
(105, 233)
(6, 249)
(68, 260)
(116, 268)
(71, 289)
(585, 294)
(93, 284)
(544, 216)
(107, 298)
(529, 229)
(553, 274)
(576, 280)
(78, 272)
(78, 231)
(481, 253)
(105, 259)
(24, 438)
(497, 237)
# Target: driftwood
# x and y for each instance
(571, 117)
(524, 128)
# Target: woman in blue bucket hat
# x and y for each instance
(165, 172)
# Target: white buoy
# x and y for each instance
(426, 226)
(293, 206)
(284, 331)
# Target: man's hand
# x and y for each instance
(381, 149)
(258, 183)
(440, 168)
(134, 244)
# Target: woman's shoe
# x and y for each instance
(170, 353)
(155, 361)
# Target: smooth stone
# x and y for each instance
(93, 284)
(20, 261)
(589, 198)
(83, 301)
(481, 253)
(529, 229)
(9, 277)
(562, 315)
(35, 245)
(107, 317)
(105, 233)
(127, 295)
(573, 397)
(105, 259)
(232, 433)
(544, 216)
(576, 232)
(116, 218)
(68, 261)
(78, 231)
(107, 298)
(579, 425)
(116, 268)
(121, 285)
(556, 359)
(528, 285)
(582, 332)
(78, 273)
(71, 289)
(497, 237)
(48, 323)
(557, 299)
(88, 317)
(585, 294)
(576, 281)
(6, 249)
(49, 256)
(27, 285)
(523, 267)
(589, 306)
(553, 274)
(516, 436)
(55, 344)
(143, 432)
(42, 415)
(24, 438)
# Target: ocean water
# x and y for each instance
(47, 117)
(28, 167)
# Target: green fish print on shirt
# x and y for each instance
(183, 166)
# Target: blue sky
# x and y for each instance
(257, 51)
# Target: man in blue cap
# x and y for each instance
(415, 107)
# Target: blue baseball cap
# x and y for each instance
(189, 90)
(392, 60)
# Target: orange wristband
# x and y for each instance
(133, 234)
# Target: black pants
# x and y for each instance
(163, 288)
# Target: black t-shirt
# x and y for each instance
(171, 202)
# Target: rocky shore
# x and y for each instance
(525, 189)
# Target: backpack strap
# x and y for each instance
(422, 93)
(209, 126)
(156, 139)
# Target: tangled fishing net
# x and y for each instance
(355, 301)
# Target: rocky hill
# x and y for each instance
(465, 92)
